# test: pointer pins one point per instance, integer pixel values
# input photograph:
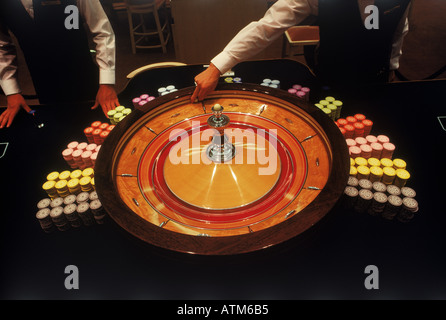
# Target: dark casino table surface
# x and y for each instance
(328, 261)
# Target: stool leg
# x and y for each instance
(132, 36)
(285, 46)
(160, 30)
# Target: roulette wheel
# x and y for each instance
(247, 168)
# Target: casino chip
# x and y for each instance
(83, 210)
(365, 184)
(408, 192)
(44, 203)
(46, 223)
(350, 196)
(82, 197)
(393, 207)
(408, 210)
(353, 182)
(374, 168)
(378, 203)
(364, 200)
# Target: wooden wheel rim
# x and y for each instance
(291, 226)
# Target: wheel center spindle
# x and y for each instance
(220, 149)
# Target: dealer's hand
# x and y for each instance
(15, 102)
(106, 98)
(205, 83)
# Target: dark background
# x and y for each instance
(325, 262)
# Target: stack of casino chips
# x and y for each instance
(355, 126)
(60, 185)
(300, 91)
(142, 100)
(379, 199)
(98, 131)
(233, 80)
(116, 115)
(166, 90)
(81, 154)
(382, 170)
(271, 83)
(371, 146)
(331, 107)
(72, 211)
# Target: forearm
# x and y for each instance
(103, 37)
(257, 35)
(402, 30)
(8, 63)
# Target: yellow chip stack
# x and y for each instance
(65, 175)
(62, 188)
(388, 175)
(373, 162)
(88, 172)
(50, 188)
(399, 164)
(76, 174)
(363, 172)
(360, 161)
(69, 182)
(376, 173)
(386, 162)
(401, 177)
(74, 186)
(85, 183)
(53, 176)
(353, 171)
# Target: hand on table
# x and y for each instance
(205, 83)
(106, 98)
(15, 102)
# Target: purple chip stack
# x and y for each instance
(300, 91)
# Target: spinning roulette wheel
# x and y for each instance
(247, 168)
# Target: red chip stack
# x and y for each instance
(359, 129)
(89, 134)
(355, 126)
(95, 133)
(367, 126)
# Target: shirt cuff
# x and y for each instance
(106, 76)
(224, 62)
(10, 86)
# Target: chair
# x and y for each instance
(298, 37)
(139, 29)
(154, 66)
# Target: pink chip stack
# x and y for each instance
(299, 91)
(377, 149)
(388, 149)
(142, 100)
(80, 155)
(371, 147)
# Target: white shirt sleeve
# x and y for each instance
(8, 63)
(401, 31)
(103, 36)
(257, 35)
